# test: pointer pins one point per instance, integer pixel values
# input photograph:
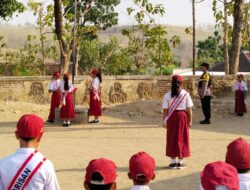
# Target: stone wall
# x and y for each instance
(115, 89)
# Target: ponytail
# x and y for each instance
(175, 88)
(66, 83)
(99, 76)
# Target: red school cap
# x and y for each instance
(238, 154)
(219, 174)
(30, 126)
(142, 164)
(178, 77)
(106, 168)
(95, 71)
(56, 74)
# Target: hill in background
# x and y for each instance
(16, 37)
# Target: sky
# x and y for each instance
(178, 12)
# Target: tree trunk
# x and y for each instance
(225, 38)
(236, 42)
(194, 37)
(59, 30)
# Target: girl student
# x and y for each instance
(177, 119)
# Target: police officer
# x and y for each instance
(204, 90)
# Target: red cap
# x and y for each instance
(219, 174)
(95, 71)
(177, 77)
(142, 164)
(106, 168)
(238, 154)
(56, 74)
(30, 126)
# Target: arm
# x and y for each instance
(190, 115)
(204, 88)
(51, 182)
(165, 112)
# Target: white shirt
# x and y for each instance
(140, 187)
(71, 87)
(244, 181)
(44, 179)
(240, 85)
(55, 84)
(186, 103)
(96, 83)
(217, 188)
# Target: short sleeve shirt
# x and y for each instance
(240, 86)
(185, 104)
(96, 83)
(55, 84)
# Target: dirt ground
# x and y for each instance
(124, 130)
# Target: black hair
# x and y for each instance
(243, 171)
(96, 176)
(99, 76)
(66, 83)
(27, 139)
(175, 88)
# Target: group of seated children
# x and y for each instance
(30, 170)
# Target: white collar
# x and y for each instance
(25, 150)
(140, 187)
(244, 177)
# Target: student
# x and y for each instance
(27, 168)
(204, 90)
(177, 119)
(141, 170)
(54, 88)
(95, 103)
(67, 109)
(100, 175)
(240, 88)
(238, 155)
(219, 176)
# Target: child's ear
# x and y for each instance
(85, 184)
(129, 175)
(114, 186)
(17, 136)
(153, 177)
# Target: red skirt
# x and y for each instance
(95, 105)
(55, 103)
(178, 135)
(68, 110)
(240, 104)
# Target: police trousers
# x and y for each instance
(206, 106)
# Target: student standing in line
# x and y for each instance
(240, 88)
(54, 88)
(27, 168)
(95, 103)
(67, 109)
(177, 119)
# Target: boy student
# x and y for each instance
(100, 175)
(219, 176)
(27, 168)
(141, 170)
(238, 155)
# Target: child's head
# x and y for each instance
(141, 168)
(29, 130)
(240, 77)
(219, 176)
(56, 75)
(238, 155)
(100, 175)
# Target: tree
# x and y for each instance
(8, 8)
(236, 37)
(95, 14)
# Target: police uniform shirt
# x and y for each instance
(44, 179)
(244, 181)
(204, 86)
(185, 104)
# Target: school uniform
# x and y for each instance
(178, 125)
(54, 86)
(240, 95)
(67, 109)
(44, 177)
(244, 181)
(95, 103)
(140, 187)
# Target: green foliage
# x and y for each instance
(210, 50)
(9, 7)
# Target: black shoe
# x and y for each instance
(205, 122)
(240, 114)
(50, 121)
(65, 125)
(181, 166)
(94, 122)
(172, 166)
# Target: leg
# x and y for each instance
(207, 107)
(173, 164)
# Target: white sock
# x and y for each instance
(68, 122)
(181, 161)
(173, 161)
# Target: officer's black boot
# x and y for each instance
(205, 122)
